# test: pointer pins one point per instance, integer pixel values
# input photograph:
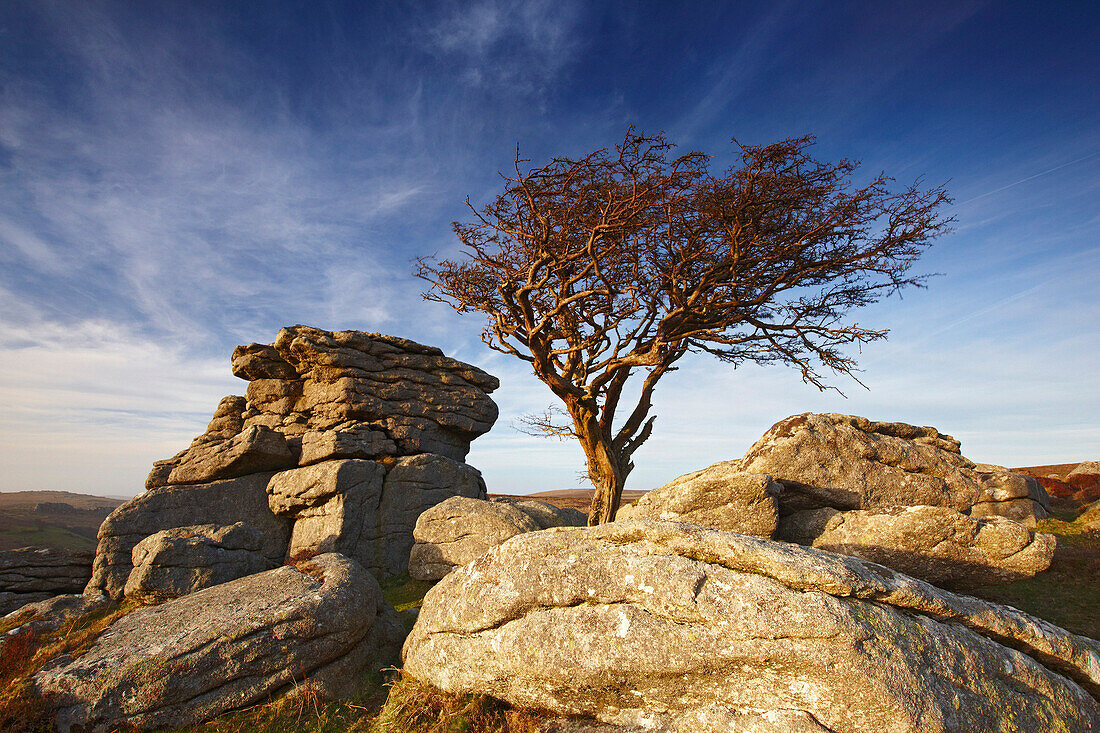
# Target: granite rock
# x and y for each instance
(719, 496)
(458, 530)
(175, 562)
(221, 503)
(677, 627)
(225, 647)
(32, 574)
(849, 462)
(936, 544)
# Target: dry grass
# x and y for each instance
(21, 708)
(303, 709)
(402, 705)
(1066, 594)
(413, 707)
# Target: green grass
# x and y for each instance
(1067, 594)
(46, 537)
(404, 593)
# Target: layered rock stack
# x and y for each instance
(341, 441)
(32, 574)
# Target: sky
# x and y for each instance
(178, 178)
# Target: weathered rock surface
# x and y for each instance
(458, 530)
(849, 462)
(678, 627)
(936, 544)
(175, 562)
(719, 496)
(317, 395)
(544, 513)
(1092, 467)
(32, 574)
(358, 508)
(225, 647)
(255, 449)
(361, 432)
(220, 502)
(50, 614)
(455, 531)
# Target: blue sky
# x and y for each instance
(178, 178)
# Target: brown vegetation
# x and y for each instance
(21, 708)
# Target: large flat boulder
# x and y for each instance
(719, 496)
(32, 574)
(677, 627)
(850, 462)
(937, 544)
(179, 561)
(221, 503)
(225, 647)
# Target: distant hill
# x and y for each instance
(573, 498)
(52, 519)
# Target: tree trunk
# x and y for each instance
(605, 502)
(604, 468)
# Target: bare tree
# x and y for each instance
(617, 264)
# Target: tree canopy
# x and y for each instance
(617, 264)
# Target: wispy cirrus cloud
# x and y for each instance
(171, 206)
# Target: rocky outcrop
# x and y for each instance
(357, 434)
(673, 626)
(544, 513)
(720, 496)
(848, 462)
(176, 562)
(936, 544)
(33, 574)
(316, 395)
(458, 530)
(359, 508)
(225, 647)
(221, 503)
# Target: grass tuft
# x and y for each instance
(404, 593)
(413, 707)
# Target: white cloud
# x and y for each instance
(89, 406)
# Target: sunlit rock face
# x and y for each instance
(677, 627)
(850, 462)
(341, 440)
